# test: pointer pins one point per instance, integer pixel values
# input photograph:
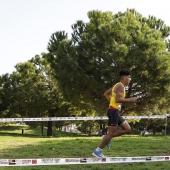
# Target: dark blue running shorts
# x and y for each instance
(115, 119)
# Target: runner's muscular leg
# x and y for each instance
(125, 128)
(108, 136)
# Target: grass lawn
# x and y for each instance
(15, 145)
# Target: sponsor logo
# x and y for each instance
(96, 159)
(44, 118)
(160, 158)
(47, 160)
(56, 160)
(17, 119)
(4, 161)
(72, 160)
(138, 159)
(118, 159)
(11, 161)
(115, 159)
(26, 161)
(70, 118)
(166, 158)
(148, 159)
(34, 161)
(124, 159)
(82, 160)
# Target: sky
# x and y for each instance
(26, 25)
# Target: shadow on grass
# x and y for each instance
(13, 134)
(26, 131)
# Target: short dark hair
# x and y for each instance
(124, 73)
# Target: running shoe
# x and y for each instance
(98, 154)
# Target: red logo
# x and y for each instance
(34, 161)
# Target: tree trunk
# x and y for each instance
(154, 131)
(90, 129)
(42, 130)
(104, 129)
(52, 113)
(101, 125)
(85, 128)
(50, 128)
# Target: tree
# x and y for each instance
(150, 125)
(5, 94)
(31, 91)
(88, 63)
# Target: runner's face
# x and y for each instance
(127, 79)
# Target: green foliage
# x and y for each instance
(153, 126)
(31, 91)
(88, 63)
(88, 127)
(34, 90)
(5, 94)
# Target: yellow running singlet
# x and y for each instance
(113, 104)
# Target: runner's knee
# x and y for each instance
(128, 129)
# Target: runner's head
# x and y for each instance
(125, 77)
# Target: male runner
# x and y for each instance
(116, 96)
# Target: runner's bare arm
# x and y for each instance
(119, 90)
(108, 93)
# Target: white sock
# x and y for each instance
(98, 149)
